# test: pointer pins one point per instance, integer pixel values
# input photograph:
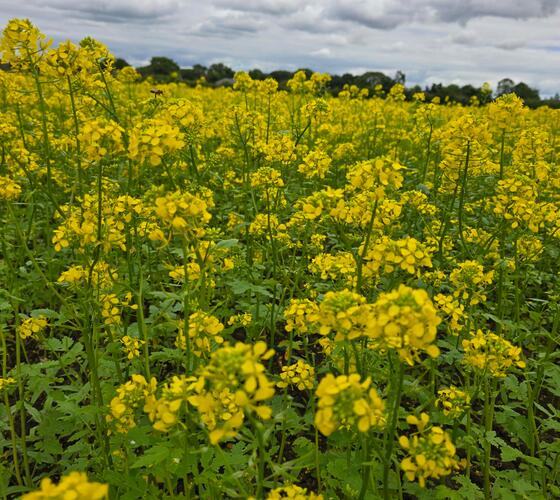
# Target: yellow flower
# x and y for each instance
(376, 176)
(22, 44)
(6, 383)
(340, 265)
(72, 486)
(386, 255)
(220, 413)
(239, 372)
(315, 164)
(164, 412)
(346, 402)
(32, 327)
(299, 374)
(431, 453)
(131, 346)
(345, 314)
(266, 178)
(204, 332)
(294, 492)
(244, 319)
(9, 189)
(406, 320)
(151, 141)
(302, 316)
(100, 138)
(470, 280)
(451, 310)
(489, 353)
(130, 396)
(184, 213)
(453, 401)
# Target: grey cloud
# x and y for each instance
(114, 11)
(464, 10)
(371, 14)
(228, 25)
(424, 38)
(466, 38)
(511, 44)
(272, 7)
(383, 15)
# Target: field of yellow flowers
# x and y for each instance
(252, 293)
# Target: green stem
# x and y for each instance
(22, 414)
(78, 146)
(489, 402)
(366, 467)
(360, 259)
(257, 426)
(13, 434)
(462, 199)
(390, 435)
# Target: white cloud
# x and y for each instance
(324, 52)
(468, 41)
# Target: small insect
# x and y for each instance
(156, 91)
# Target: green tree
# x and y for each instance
(218, 72)
(159, 67)
(120, 63)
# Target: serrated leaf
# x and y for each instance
(152, 456)
(227, 243)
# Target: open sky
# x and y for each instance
(449, 41)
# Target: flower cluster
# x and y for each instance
(185, 213)
(237, 372)
(386, 255)
(451, 310)
(489, 353)
(376, 176)
(9, 189)
(453, 401)
(22, 44)
(340, 265)
(343, 313)
(345, 402)
(86, 225)
(203, 331)
(130, 396)
(515, 201)
(32, 327)
(72, 486)
(315, 164)
(220, 412)
(470, 280)
(266, 178)
(244, 319)
(299, 374)
(152, 140)
(131, 346)
(406, 320)
(302, 316)
(294, 492)
(112, 306)
(164, 411)
(98, 139)
(6, 383)
(431, 453)
(101, 273)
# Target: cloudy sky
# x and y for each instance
(450, 41)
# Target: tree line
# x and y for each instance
(163, 69)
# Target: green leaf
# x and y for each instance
(240, 287)
(509, 454)
(153, 456)
(227, 243)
